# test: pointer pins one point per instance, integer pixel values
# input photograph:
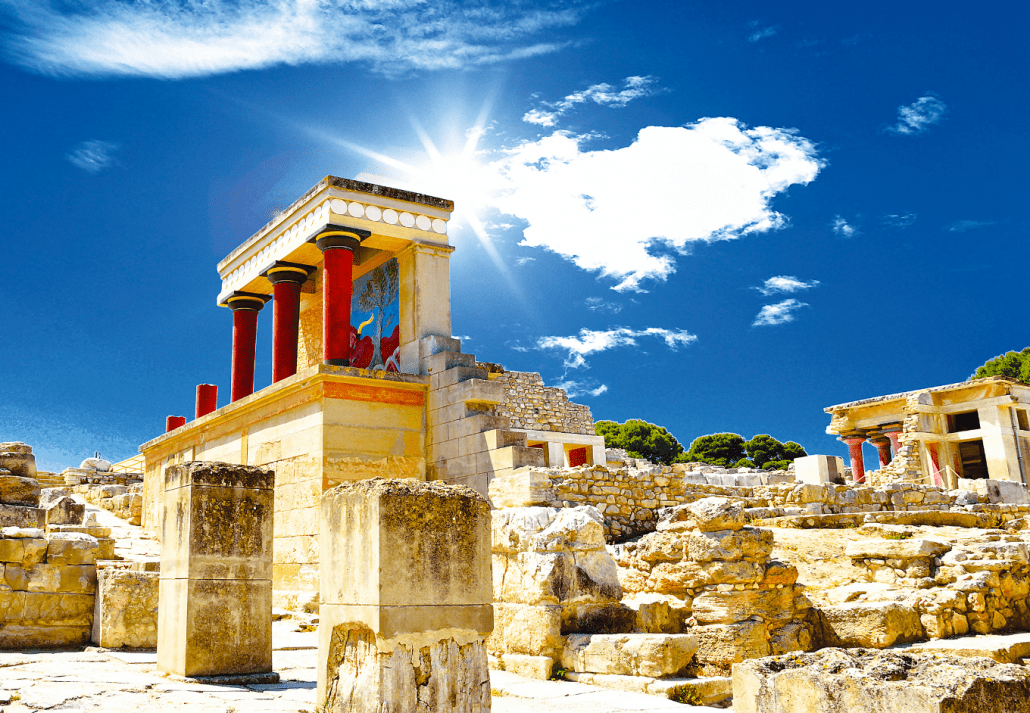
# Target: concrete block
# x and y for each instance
(818, 470)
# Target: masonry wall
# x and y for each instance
(530, 405)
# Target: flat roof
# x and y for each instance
(347, 184)
(906, 394)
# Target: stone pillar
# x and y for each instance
(883, 449)
(215, 603)
(425, 300)
(207, 399)
(854, 443)
(286, 279)
(245, 307)
(337, 244)
(173, 422)
(406, 598)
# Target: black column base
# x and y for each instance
(336, 362)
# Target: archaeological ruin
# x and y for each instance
(394, 525)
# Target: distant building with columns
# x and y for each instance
(366, 378)
(974, 429)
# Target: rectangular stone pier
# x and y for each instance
(405, 598)
(215, 603)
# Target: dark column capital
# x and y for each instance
(246, 300)
(282, 271)
(339, 236)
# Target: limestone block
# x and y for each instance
(739, 605)
(45, 609)
(656, 613)
(71, 548)
(214, 627)
(15, 490)
(445, 675)
(65, 511)
(17, 458)
(95, 464)
(654, 655)
(895, 549)
(859, 681)
(523, 488)
(556, 577)
(597, 618)
(526, 629)
(722, 645)
(818, 470)
(513, 529)
(45, 636)
(21, 516)
(49, 496)
(537, 667)
(711, 514)
(71, 579)
(874, 625)
(126, 609)
(662, 546)
(23, 550)
(749, 543)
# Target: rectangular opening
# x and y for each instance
(577, 456)
(968, 421)
(973, 459)
(1024, 425)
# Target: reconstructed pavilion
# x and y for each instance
(974, 429)
(366, 378)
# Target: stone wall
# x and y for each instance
(531, 406)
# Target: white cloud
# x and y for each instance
(603, 94)
(785, 284)
(778, 313)
(591, 342)
(762, 32)
(605, 210)
(599, 305)
(918, 116)
(524, 261)
(581, 388)
(902, 220)
(961, 226)
(93, 156)
(173, 39)
(842, 228)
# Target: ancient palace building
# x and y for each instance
(366, 378)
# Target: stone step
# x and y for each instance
(514, 457)
(650, 655)
(442, 361)
(696, 691)
(1003, 648)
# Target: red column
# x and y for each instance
(337, 245)
(207, 399)
(854, 444)
(894, 434)
(173, 422)
(245, 308)
(883, 448)
(286, 279)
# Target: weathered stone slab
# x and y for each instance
(126, 609)
(895, 549)
(532, 630)
(21, 516)
(524, 488)
(874, 625)
(45, 609)
(65, 511)
(19, 636)
(1003, 648)
(15, 490)
(861, 681)
(23, 550)
(70, 579)
(653, 655)
(71, 548)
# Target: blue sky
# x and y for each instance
(713, 216)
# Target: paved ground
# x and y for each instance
(113, 682)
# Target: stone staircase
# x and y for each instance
(467, 442)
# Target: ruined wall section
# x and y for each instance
(531, 406)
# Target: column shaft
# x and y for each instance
(854, 444)
(207, 399)
(244, 348)
(285, 327)
(883, 449)
(337, 278)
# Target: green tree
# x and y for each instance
(640, 439)
(763, 448)
(792, 450)
(1012, 364)
(716, 449)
